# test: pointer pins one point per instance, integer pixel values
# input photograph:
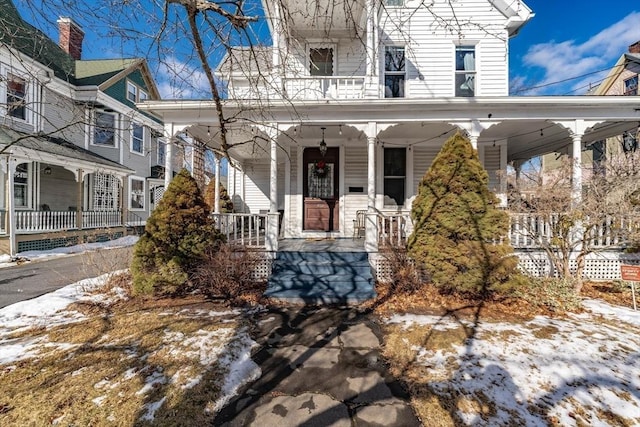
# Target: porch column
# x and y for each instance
(216, 199)
(576, 169)
(168, 164)
(79, 194)
(10, 169)
(271, 239)
(371, 229)
(371, 82)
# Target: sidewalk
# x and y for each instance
(320, 367)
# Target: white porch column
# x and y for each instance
(576, 169)
(80, 196)
(371, 80)
(216, 199)
(9, 168)
(271, 239)
(371, 229)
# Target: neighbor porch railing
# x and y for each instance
(51, 221)
(243, 229)
(324, 87)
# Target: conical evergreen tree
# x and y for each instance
(457, 225)
(176, 236)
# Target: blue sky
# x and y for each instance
(571, 38)
(566, 39)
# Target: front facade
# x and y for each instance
(355, 105)
(77, 156)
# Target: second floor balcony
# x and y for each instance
(324, 87)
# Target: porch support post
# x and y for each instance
(371, 229)
(474, 128)
(271, 238)
(79, 194)
(576, 169)
(216, 199)
(371, 82)
(170, 131)
(11, 206)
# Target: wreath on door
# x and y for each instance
(320, 168)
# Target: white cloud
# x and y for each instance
(568, 59)
(178, 79)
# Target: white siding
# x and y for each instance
(422, 159)
(492, 165)
(63, 118)
(355, 175)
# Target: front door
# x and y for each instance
(320, 189)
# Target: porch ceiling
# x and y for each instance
(319, 19)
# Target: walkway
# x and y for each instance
(320, 367)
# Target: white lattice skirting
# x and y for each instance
(598, 266)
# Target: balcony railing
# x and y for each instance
(320, 87)
(50, 221)
(248, 230)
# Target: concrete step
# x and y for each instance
(322, 256)
(322, 267)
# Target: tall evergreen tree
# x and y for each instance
(177, 235)
(226, 205)
(458, 228)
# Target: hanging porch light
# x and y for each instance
(323, 145)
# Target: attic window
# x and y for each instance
(631, 86)
(134, 93)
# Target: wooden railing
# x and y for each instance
(43, 221)
(101, 219)
(50, 221)
(393, 229)
(321, 87)
(243, 229)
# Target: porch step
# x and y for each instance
(321, 277)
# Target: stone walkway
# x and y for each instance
(320, 367)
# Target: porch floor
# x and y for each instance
(321, 271)
(321, 245)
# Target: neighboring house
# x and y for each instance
(352, 107)
(79, 161)
(622, 80)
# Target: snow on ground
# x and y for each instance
(5, 260)
(576, 371)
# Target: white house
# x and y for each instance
(381, 85)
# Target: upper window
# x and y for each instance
(465, 70)
(162, 153)
(134, 93)
(104, 132)
(16, 97)
(631, 86)
(136, 193)
(137, 138)
(395, 173)
(394, 3)
(394, 72)
(321, 61)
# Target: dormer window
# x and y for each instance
(466, 74)
(631, 86)
(394, 72)
(135, 93)
(16, 97)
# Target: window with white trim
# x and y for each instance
(21, 186)
(162, 152)
(137, 138)
(393, 3)
(631, 86)
(105, 192)
(394, 71)
(16, 97)
(104, 129)
(136, 193)
(321, 61)
(466, 74)
(395, 175)
(135, 93)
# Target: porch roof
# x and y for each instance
(529, 125)
(57, 151)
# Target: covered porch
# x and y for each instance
(310, 173)
(54, 191)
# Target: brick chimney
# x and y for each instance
(635, 48)
(71, 36)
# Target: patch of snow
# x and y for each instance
(152, 408)
(5, 258)
(99, 400)
(612, 312)
(575, 370)
(156, 377)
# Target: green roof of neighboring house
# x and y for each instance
(55, 146)
(96, 72)
(22, 36)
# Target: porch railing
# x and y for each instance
(321, 87)
(101, 219)
(50, 221)
(243, 229)
(393, 229)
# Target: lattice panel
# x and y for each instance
(598, 266)
(262, 270)
(105, 191)
(47, 244)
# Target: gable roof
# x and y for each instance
(621, 65)
(25, 38)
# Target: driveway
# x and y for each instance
(38, 277)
